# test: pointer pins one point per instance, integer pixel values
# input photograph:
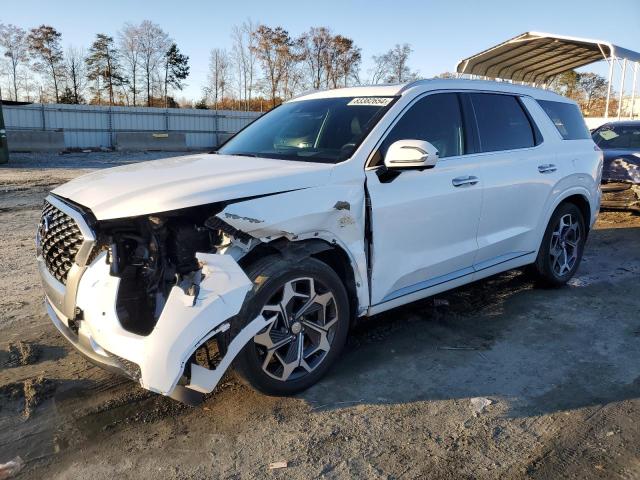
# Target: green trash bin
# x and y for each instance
(4, 149)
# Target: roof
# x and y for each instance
(623, 123)
(383, 90)
(420, 86)
(537, 57)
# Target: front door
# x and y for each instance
(424, 222)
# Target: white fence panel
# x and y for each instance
(92, 126)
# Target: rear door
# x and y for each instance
(518, 172)
(424, 222)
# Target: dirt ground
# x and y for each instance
(497, 379)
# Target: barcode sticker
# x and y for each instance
(371, 101)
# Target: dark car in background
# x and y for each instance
(620, 143)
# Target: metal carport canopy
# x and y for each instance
(536, 57)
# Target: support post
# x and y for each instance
(4, 149)
(110, 125)
(633, 90)
(606, 108)
(624, 72)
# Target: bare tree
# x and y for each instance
(343, 61)
(154, 43)
(567, 84)
(274, 49)
(594, 87)
(380, 68)
(130, 49)
(446, 75)
(28, 84)
(218, 74)
(238, 58)
(392, 66)
(13, 41)
(76, 73)
(316, 44)
(244, 58)
(44, 46)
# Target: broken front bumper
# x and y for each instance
(158, 360)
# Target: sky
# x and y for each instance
(440, 32)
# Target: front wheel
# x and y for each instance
(562, 246)
(308, 304)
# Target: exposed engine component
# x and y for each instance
(153, 254)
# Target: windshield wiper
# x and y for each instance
(244, 154)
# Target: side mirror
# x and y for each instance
(411, 154)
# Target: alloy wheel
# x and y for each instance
(305, 316)
(565, 243)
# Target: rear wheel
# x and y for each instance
(308, 304)
(562, 246)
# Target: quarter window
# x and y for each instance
(436, 119)
(567, 119)
(502, 122)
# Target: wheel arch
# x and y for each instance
(333, 255)
(580, 201)
(580, 196)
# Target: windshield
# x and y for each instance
(618, 137)
(324, 130)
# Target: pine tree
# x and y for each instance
(176, 69)
(103, 64)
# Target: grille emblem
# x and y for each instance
(45, 224)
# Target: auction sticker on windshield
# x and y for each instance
(371, 101)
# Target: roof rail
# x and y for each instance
(408, 85)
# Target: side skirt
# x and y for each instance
(437, 285)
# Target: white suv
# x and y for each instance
(336, 205)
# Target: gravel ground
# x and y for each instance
(497, 379)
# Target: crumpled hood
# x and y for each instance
(180, 182)
(621, 166)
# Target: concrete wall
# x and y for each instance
(35, 141)
(92, 126)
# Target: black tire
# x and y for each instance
(546, 269)
(269, 276)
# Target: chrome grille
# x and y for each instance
(60, 240)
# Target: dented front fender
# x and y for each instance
(334, 213)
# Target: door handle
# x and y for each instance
(547, 168)
(461, 181)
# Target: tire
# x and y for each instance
(562, 246)
(273, 278)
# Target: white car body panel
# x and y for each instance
(333, 213)
(181, 182)
(182, 326)
(405, 212)
(417, 236)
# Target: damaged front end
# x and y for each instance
(155, 296)
(147, 296)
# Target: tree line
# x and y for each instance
(588, 89)
(143, 66)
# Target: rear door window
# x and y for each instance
(502, 122)
(567, 119)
